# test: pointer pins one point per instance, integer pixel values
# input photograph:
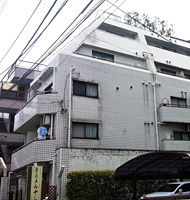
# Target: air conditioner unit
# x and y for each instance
(46, 119)
(164, 101)
(168, 136)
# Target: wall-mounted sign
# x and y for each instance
(34, 183)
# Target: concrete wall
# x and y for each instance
(116, 109)
(4, 188)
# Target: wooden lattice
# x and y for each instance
(49, 191)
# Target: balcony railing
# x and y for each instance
(6, 127)
(175, 105)
(15, 95)
(174, 113)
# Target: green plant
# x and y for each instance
(100, 185)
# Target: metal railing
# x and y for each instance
(174, 105)
(6, 127)
(15, 95)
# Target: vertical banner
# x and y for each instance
(34, 183)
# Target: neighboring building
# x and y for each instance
(115, 92)
(10, 103)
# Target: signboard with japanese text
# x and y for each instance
(34, 183)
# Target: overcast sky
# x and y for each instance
(16, 13)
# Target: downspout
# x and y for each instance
(51, 131)
(53, 170)
(152, 68)
(156, 118)
(54, 79)
(70, 103)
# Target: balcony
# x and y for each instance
(29, 116)
(174, 114)
(35, 151)
(11, 101)
(175, 145)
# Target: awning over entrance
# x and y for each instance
(156, 165)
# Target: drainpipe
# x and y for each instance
(156, 118)
(70, 99)
(54, 68)
(59, 178)
(51, 133)
(9, 182)
(53, 170)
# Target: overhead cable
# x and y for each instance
(63, 4)
(36, 31)
(40, 60)
(21, 31)
(31, 38)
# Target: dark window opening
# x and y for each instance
(187, 75)
(49, 88)
(102, 55)
(167, 46)
(85, 89)
(84, 130)
(118, 31)
(185, 136)
(168, 71)
(178, 102)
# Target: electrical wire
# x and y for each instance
(139, 22)
(68, 35)
(30, 39)
(29, 48)
(5, 71)
(66, 29)
(93, 22)
(35, 32)
(158, 34)
(40, 61)
(21, 31)
(3, 6)
(33, 67)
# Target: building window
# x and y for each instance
(84, 130)
(182, 136)
(187, 75)
(178, 102)
(85, 89)
(49, 89)
(102, 55)
(168, 71)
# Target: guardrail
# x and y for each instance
(174, 105)
(16, 95)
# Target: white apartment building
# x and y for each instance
(115, 92)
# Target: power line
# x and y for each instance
(31, 37)
(33, 43)
(23, 51)
(149, 28)
(42, 59)
(139, 22)
(3, 6)
(21, 31)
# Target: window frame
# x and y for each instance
(168, 71)
(85, 85)
(178, 99)
(180, 133)
(85, 124)
(103, 54)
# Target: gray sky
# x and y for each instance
(16, 12)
